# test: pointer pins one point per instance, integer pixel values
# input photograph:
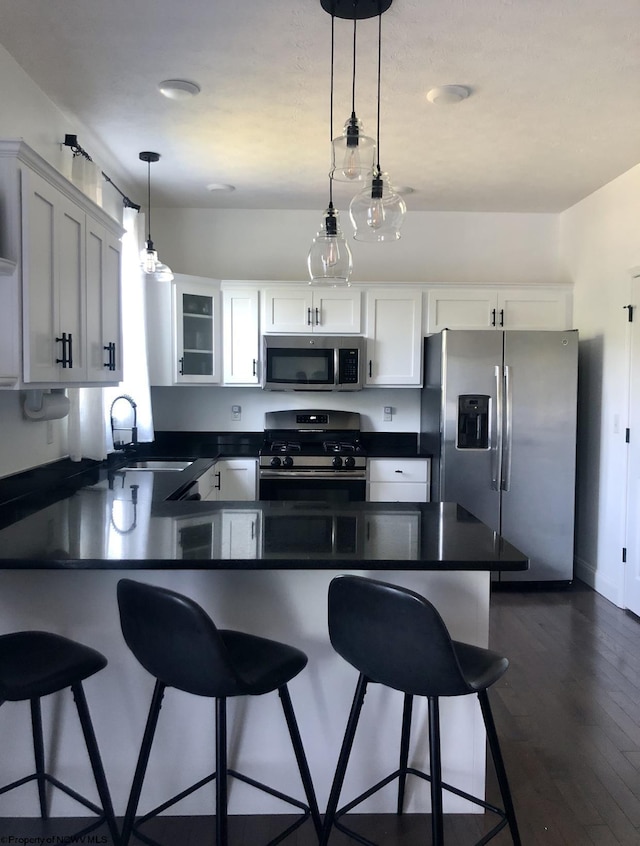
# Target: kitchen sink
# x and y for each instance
(158, 465)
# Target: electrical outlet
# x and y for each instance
(387, 413)
(236, 412)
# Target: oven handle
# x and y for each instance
(347, 475)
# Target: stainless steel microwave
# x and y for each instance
(313, 362)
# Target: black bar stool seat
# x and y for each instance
(178, 643)
(396, 637)
(34, 664)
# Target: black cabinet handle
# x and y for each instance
(217, 485)
(309, 317)
(370, 369)
(70, 356)
(111, 350)
(63, 341)
(317, 317)
(501, 317)
(255, 366)
(181, 366)
(493, 317)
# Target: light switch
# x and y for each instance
(236, 412)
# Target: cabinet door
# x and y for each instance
(240, 358)
(53, 284)
(238, 479)
(393, 536)
(104, 338)
(534, 309)
(337, 311)
(394, 338)
(462, 308)
(240, 534)
(196, 315)
(288, 309)
(398, 480)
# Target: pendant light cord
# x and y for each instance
(149, 198)
(379, 65)
(353, 78)
(331, 104)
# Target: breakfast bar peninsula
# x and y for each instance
(263, 567)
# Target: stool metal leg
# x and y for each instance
(301, 758)
(343, 759)
(222, 833)
(96, 760)
(143, 760)
(404, 748)
(38, 751)
(498, 762)
(437, 828)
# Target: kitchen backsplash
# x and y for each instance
(205, 409)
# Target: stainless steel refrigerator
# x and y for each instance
(499, 418)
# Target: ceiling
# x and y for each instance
(554, 110)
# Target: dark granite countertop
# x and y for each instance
(123, 521)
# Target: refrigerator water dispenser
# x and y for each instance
(473, 421)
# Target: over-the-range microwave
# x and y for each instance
(313, 362)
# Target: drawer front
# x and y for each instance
(398, 470)
(399, 492)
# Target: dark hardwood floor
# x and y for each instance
(568, 715)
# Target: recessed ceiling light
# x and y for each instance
(404, 189)
(178, 89)
(220, 186)
(447, 95)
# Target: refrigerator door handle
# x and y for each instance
(508, 433)
(496, 437)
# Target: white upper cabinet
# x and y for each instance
(394, 337)
(240, 336)
(60, 313)
(499, 308)
(197, 336)
(300, 309)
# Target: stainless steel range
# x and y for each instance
(312, 455)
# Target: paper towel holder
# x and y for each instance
(46, 405)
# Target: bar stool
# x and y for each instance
(395, 637)
(178, 643)
(34, 664)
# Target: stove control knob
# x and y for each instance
(350, 461)
(337, 461)
(288, 461)
(275, 461)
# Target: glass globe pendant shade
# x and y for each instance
(152, 266)
(329, 261)
(352, 153)
(377, 212)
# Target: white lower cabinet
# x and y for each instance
(398, 480)
(231, 479)
(240, 534)
(394, 536)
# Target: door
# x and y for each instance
(394, 338)
(196, 310)
(470, 449)
(541, 374)
(632, 569)
(241, 336)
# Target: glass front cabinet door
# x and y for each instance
(196, 311)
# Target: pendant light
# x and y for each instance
(352, 153)
(377, 212)
(149, 256)
(329, 260)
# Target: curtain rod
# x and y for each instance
(72, 141)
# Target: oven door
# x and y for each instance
(337, 487)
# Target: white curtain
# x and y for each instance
(89, 427)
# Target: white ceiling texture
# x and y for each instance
(553, 114)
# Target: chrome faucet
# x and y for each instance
(134, 428)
